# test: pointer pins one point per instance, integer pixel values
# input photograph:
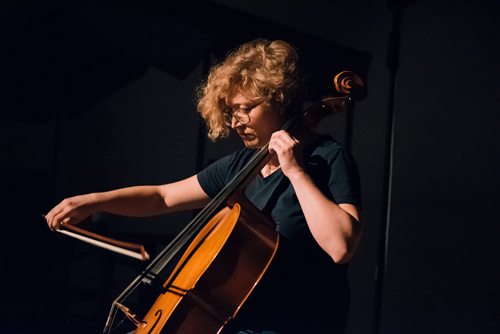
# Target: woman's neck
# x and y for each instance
(272, 166)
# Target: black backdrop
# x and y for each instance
(96, 96)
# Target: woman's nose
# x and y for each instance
(235, 122)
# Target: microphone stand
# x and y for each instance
(392, 62)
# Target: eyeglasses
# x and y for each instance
(242, 115)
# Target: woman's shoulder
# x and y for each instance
(324, 145)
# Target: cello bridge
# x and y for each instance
(131, 316)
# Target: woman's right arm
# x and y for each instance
(140, 201)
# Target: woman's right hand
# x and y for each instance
(138, 201)
(71, 211)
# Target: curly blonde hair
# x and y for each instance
(264, 70)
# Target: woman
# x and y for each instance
(311, 190)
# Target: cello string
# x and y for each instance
(198, 222)
(171, 250)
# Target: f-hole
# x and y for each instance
(158, 319)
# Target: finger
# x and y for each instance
(286, 137)
(53, 224)
(278, 134)
(46, 217)
(50, 219)
(278, 137)
(276, 144)
(58, 220)
(290, 139)
(284, 145)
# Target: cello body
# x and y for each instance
(215, 275)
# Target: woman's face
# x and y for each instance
(265, 119)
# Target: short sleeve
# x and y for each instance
(335, 172)
(218, 174)
(344, 181)
(213, 178)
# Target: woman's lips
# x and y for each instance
(245, 135)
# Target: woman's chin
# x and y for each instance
(250, 142)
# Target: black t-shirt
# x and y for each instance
(303, 291)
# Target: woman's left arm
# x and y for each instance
(336, 228)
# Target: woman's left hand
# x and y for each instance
(289, 152)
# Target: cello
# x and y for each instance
(222, 254)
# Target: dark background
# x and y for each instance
(98, 95)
